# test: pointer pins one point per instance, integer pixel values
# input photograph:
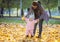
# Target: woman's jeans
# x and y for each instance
(40, 27)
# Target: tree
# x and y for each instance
(22, 12)
(49, 4)
(8, 4)
(1, 8)
(26, 3)
(59, 6)
(17, 5)
(59, 9)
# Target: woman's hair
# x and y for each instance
(39, 8)
(39, 2)
(35, 4)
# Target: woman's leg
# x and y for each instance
(35, 28)
(40, 27)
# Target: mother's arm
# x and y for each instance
(29, 12)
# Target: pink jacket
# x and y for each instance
(30, 24)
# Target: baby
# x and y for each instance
(30, 26)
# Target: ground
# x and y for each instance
(16, 33)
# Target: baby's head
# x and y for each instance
(31, 18)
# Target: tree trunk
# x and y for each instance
(1, 9)
(21, 8)
(17, 11)
(8, 5)
(22, 13)
(49, 7)
(59, 9)
(9, 12)
(1, 12)
(49, 12)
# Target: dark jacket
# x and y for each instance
(39, 13)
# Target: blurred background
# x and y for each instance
(13, 10)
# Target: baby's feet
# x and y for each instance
(27, 36)
(31, 36)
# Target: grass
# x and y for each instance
(16, 20)
(51, 21)
(11, 14)
(56, 16)
(11, 20)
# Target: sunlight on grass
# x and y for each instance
(56, 16)
(16, 20)
(11, 14)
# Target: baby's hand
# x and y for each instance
(23, 18)
(38, 20)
